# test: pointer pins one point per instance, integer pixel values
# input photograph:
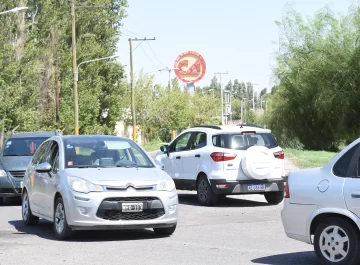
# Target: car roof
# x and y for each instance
(87, 136)
(229, 128)
(31, 134)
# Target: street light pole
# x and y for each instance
(76, 103)
(73, 35)
(222, 98)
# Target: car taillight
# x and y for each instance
(279, 155)
(286, 190)
(220, 156)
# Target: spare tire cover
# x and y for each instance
(258, 162)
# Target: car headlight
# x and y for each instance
(83, 186)
(2, 173)
(168, 185)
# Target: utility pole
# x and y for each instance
(133, 114)
(76, 103)
(222, 98)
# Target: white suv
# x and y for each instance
(221, 160)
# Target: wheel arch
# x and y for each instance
(324, 214)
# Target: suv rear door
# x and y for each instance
(192, 158)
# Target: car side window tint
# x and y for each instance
(39, 154)
(199, 140)
(181, 143)
(216, 140)
(53, 156)
(342, 166)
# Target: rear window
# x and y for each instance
(243, 141)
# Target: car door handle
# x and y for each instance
(197, 155)
(178, 157)
(355, 195)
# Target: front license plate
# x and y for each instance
(255, 187)
(132, 207)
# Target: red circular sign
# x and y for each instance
(190, 67)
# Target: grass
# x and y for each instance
(308, 159)
(153, 145)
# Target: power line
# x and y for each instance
(148, 57)
(155, 54)
(132, 32)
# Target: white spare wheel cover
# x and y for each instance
(258, 162)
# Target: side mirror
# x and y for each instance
(164, 148)
(159, 165)
(43, 168)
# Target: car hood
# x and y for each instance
(119, 176)
(15, 163)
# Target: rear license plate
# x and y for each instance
(255, 187)
(132, 207)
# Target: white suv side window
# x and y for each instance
(199, 140)
(181, 144)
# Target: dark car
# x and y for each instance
(17, 152)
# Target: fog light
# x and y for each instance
(221, 186)
(83, 210)
(172, 208)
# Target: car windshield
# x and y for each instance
(22, 146)
(102, 151)
(242, 141)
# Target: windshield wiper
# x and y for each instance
(127, 166)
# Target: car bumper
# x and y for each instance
(225, 187)
(295, 218)
(10, 187)
(102, 211)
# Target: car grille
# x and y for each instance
(10, 190)
(17, 174)
(131, 199)
(115, 215)
(148, 213)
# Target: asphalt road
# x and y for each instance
(240, 230)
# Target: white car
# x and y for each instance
(221, 160)
(322, 207)
(94, 182)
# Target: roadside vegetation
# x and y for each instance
(308, 159)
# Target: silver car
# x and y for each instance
(97, 182)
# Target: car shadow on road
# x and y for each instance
(45, 230)
(306, 257)
(191, 199)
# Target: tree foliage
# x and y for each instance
(317, 98)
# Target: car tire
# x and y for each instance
(205, 194)
(1, 200)
(328, 245)
(274, 197)
(165, 231)
(28, 217)
(61, 229)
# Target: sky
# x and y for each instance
(234, 36)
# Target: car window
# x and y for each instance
(342, 166)
(198, 140)
(22, 146)
(39, 154)
(216, 140)
(52, 156)
(243, 141)
(181, 143)
(100, 151)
